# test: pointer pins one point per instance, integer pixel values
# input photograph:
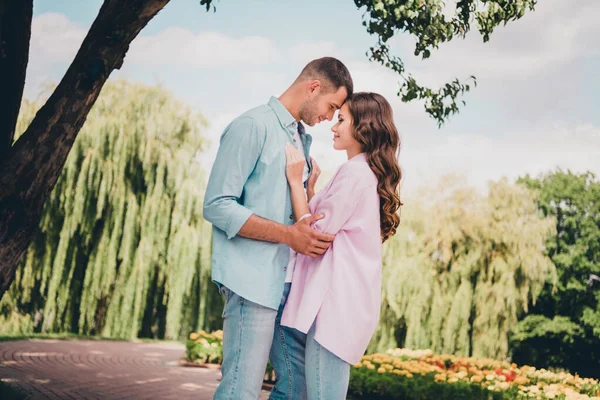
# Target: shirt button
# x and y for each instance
(291, 216)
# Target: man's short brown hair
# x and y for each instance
(331, 71)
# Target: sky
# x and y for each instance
(536, 106)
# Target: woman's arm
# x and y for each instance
(295, 162)
(312, 179)
(299, 203)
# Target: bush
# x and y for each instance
(420, 375)
(204, 348)
(372, 385)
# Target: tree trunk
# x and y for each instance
(15, 32)
(30, 170)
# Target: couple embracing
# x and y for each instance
(300, 270)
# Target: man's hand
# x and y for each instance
(305, 240)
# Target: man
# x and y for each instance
(248, 202)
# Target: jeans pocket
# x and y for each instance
(224, 291)
(226, 294)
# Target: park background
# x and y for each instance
(500, 228)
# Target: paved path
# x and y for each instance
(89, 369)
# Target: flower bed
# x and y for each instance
(420, 375)
(407, 374)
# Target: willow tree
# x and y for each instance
(122, 249)
(29, 167)
(461, 270)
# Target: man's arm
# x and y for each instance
(239, 150)
(300, 236)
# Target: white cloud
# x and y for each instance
(204, 49)
(476, 157)
(511, 155)
(553, 35)
(54, 38)
(303, 52)
(212, 49)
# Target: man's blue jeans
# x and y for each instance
(252, 334)
(247, 337)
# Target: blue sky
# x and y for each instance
(535, 107)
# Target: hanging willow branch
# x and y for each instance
(462, 269)
(31, 167)
(122, 249)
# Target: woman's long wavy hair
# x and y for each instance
(374, 129)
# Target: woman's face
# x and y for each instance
(343, 139)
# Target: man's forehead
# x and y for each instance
(339, 98)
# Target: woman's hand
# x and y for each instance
(314, 175)
(295, 162)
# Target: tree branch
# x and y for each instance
(427, 22)
(15, 33)
(34, 163)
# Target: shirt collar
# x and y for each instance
(359, 157)
(285, 117)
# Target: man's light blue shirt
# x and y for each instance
(248, 177)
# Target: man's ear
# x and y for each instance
(314, 85)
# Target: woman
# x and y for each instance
(335, 299)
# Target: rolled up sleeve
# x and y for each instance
(339, 202)
(239, 150)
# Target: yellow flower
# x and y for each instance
(521, 380)
(381, 370)
(461, 374)
(193, 336)
(387, 367)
